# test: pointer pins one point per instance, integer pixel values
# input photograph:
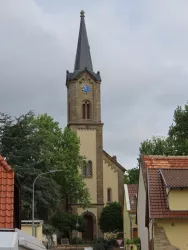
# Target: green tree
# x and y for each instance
(111, 219)
(35, 144)
(66, 222)
(176, 143)
(132, 176)
(156, 146)
(62, 151)
(178, 131)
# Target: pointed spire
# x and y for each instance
(83, 56)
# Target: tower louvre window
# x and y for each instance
(83, 111)
(86, 110)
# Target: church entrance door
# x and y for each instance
(88, 234)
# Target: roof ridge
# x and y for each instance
(166, 156)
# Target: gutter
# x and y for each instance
(131, 236)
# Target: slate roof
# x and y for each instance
(76, 74)
(83, 60)
(174, 178)
(132, 190)
(83, 56)
(6, 195)
(154, 167)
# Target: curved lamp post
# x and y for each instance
(77, 226)
(33, 205)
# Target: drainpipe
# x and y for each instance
(152, 234)
(130, 226)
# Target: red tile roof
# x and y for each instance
(175, 177)
(157, 197)
(6, 195)
(153, 161)
(132, 190)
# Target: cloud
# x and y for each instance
(140, 48)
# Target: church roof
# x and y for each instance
(113, 159)
(75, 74)
(83, 62)
(83, 56)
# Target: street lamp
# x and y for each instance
(33, 205)
(77, 226)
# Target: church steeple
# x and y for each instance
(83, 56)
(83, 85)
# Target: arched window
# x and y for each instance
(86, 110)
(89, 169)
(109, 194)
(84, 169)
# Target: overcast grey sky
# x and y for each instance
(139, 46)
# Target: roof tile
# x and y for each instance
(157, 168)
(6, 195)
(132, 190)
(175, 177)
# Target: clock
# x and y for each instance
(86, 89)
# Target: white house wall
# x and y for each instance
(141, 207)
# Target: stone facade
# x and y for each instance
(75, 121)
(84, 117)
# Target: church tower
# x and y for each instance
(84, 117)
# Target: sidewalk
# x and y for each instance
(73, 247)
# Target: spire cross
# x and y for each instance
(82, 13)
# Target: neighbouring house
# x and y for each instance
(166, 214)
(11, 237)
(141, 208)
(10, 197)
(27, 228)
(130, 203)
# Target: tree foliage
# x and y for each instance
(66, 222)
(36, 144)
(176, 142)
(178, 131)
(132, 176)
(111, 219)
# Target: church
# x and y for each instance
(103, 175)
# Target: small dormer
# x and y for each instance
(176, 186)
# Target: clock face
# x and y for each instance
(86, 89)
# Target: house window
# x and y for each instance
(86, 110)
(89, 169)
(109, 194)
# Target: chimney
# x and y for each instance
(114, 157)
